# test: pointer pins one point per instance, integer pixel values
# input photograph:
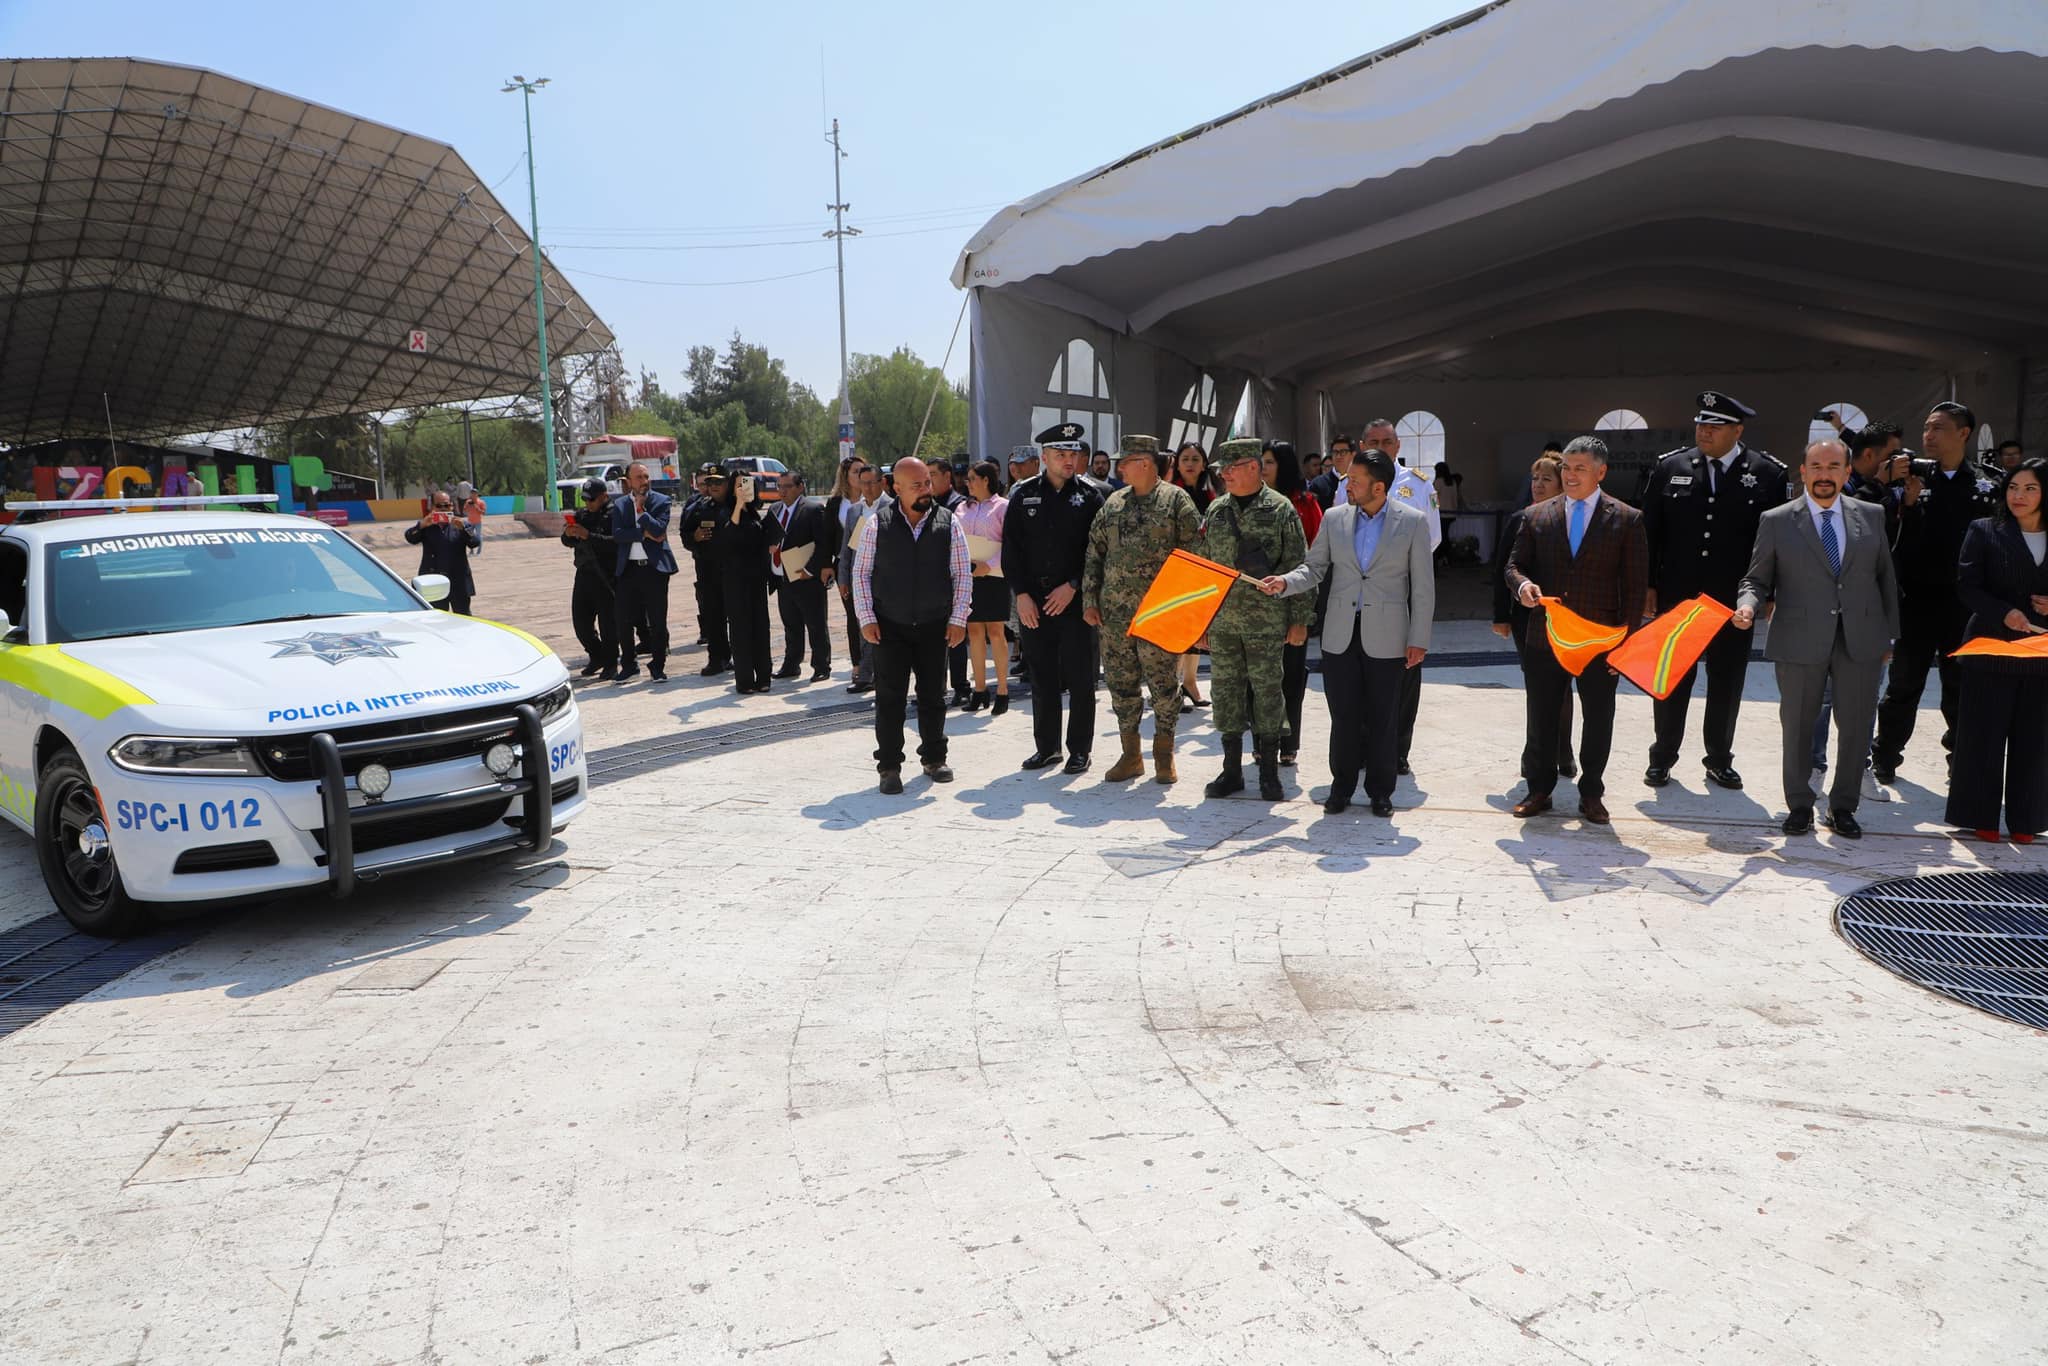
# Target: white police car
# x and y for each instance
(209, 706)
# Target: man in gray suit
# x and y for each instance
(1826, 560)
(1375, 553)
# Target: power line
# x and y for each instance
(741, 246)
(705, 284)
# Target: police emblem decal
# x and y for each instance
(337, 646)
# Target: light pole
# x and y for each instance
(540, 308)
(839, 233)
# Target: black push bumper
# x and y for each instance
(531, 787)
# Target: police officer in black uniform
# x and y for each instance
(694, 527)
(946, 496)
(1045, 549)
(589, 534)
(1936, 509)
(1700, 509)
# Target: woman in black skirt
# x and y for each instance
(982, 515)
(741, 540)
(2002, 705)
(1191, 472)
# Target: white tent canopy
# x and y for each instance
(1540, 212)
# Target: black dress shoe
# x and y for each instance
(961, 697)
(628, 675)
(789, 671)
(657, 675)
(1724, 777)
(1800, 822)
(1843, 823)
(892, 782)
(1336, 804)
(1076, 763)
(607, 674)
(820, 675)
(1656, 775)
(714, 669)
(860, 687)
(1567, 767)
(1401, 767)
(1044, 758)
(592, 669)
(1886, 774)
(1382, 807)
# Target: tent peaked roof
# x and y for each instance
(1555, 143)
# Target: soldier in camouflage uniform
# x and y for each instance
(1256, 531)
(1143, 522)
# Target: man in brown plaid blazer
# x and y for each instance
(1591, 553)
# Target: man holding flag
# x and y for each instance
(1142, 523)
(1582, 564)
(1700, 512)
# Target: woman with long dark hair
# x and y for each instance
(988, 612)
(740, 540)
(1282, 471)
(2001, 754)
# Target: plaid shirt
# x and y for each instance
(864, 570)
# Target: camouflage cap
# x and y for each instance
(1139, 445)
(1022, 454)
(1243, 448)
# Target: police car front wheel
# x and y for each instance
(76, 857)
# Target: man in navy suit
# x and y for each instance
(644, 566)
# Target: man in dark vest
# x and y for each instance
(911, 590)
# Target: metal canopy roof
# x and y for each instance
(211, 254)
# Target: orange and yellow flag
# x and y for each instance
(1184, 598)
(2033, 647)
(1660, 656)
(1575, 641)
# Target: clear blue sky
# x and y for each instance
(683, 142)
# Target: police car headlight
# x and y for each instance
(553, 704)
(373, 781)
(184, 755)
(501, 759)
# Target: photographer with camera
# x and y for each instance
(444, 540)
(588, 533)
(1943, 495)
(694, 528)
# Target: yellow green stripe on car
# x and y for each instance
(46, 671)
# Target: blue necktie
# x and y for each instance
(1828, 541)
(1578, 526)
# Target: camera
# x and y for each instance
(1919, 466)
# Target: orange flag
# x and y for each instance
(1184, 598)
(1575, 641)
(1661, 655)
(2032, 647)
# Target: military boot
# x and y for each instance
(1231, 779)
(1163, 770)
(1269, 769)
(1130, 765)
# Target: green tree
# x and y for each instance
(427, 447)
(643, 421)
(890, 394)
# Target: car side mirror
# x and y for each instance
(432, 587)
(8, 630)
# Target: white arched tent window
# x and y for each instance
(1621, 420)
(1422, 440)
(1078, 391)
(1196, 420)
(1854, 419)
(1987, 440)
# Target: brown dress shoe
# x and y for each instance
(1532, 806)
(1593, 809)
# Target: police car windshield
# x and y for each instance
(153, 583)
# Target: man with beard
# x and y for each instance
(1700, 508)
(911, 591)
(1045, 552)
(1824, 560)
(1142, 523)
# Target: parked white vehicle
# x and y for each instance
(212, 706)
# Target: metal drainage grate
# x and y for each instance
(1979, 938)
(45, 965)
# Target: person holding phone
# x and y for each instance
(742, 539)
(444, 540)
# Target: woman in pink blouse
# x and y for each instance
(982, 515)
